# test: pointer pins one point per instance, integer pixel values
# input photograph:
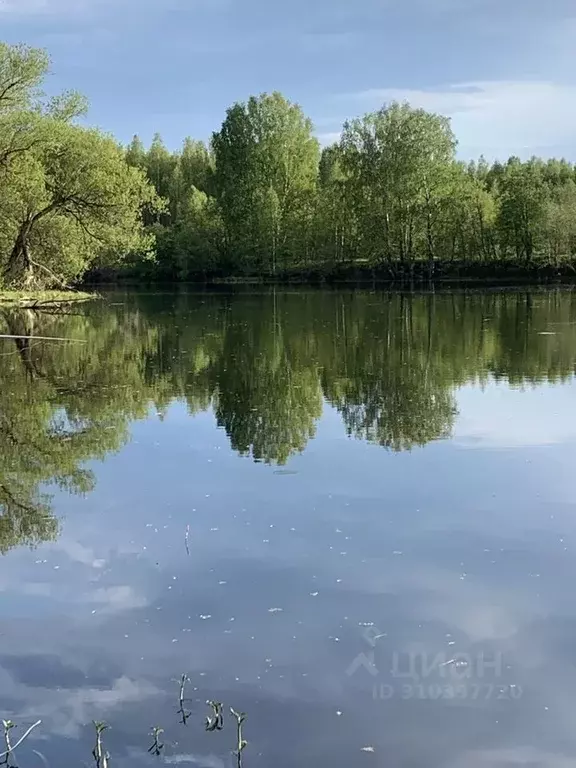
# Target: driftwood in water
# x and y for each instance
(44, 304)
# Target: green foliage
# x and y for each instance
(68, 199)
(391, 196)
(262, 200)
(22, 71)
(266, 172)
(398, 163)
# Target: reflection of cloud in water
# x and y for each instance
(505, 757)
(65, 712)
(500, 417)
(202, 761)
(77, 552)
(117, 599)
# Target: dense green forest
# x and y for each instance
(263, 365)
(262, 198)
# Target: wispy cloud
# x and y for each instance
(495, 117)
(328, 137)
(33, 7)
(27, 8)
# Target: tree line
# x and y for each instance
(262, 198)
(387, 363)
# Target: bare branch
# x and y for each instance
(49, 271)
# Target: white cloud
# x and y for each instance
(329, 137)
(81, 8)
(25, 7)
(75, 8)
(497, 118)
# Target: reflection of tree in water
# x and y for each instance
(268, 396)
(385, 378)
(389, 364)
(60, 406)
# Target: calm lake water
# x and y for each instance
(351, 515)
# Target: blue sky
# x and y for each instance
(504, 70)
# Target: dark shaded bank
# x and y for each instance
(497, 272)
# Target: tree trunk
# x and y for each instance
(19, 271)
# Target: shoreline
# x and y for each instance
(41, 299)
(415, 275)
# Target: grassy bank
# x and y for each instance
(37, 299)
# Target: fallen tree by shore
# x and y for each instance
(44, 299)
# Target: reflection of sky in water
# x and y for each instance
(444, 549)
(500, 417)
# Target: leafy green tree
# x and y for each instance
(522, 197)
(197, 237)
(74, 202)
(335, 219)
(197, 166)
(560, 222)
(136, 154)
(266, 169)
(160, 166)
(68, 200)
(397, 160)
(22, 70)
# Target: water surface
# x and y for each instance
(349, 514)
